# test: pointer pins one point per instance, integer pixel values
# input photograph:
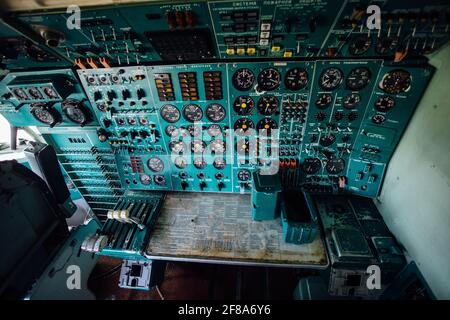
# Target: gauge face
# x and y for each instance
(35, 93)
(20, 94)
(155, 164)
(244, 175)
(335, 166)
(327, 140)
(217, 146)
(192, 112)
(159, 180)
(177, 147)
(219, 163)
(198, 146)
(180, 162)
(296, 79)
(323, 100)
(358, 78)
(269, 79)
(243, 105)
(331, 78)
(50, 93)
(215, 112)
(172, 131)
(76, 112)
(311, 165)
(145, 179)
(266, 125)
(384, 103)
(242, 125)
(378, 118)
(170, 113)
(45, 114)
(359, 45)
(199, 163)
(396, 81)
(243, 79)
(243, 147)
(214, 130)
(194, 130)
(267, 105)
(352, 101)
(386, 44)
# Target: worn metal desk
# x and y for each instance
(218, 228)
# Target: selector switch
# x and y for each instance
(202, 185)
(126, 94)
(184, 185)
(140, 93)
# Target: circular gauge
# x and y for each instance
(45, 114)
(145, 179)
(194, 130)
(177, 147)
(243, 79)
(20, 94)
(384, 103)
(327, 140)
(266, 125)
(76, 112)
(323, 100)
(359, 45)
(155, 164)
(217, 146)
(180, 162)
(214, 130)
(244, 175)
(170, 113)
(267, 105)
(159, 180)
(311, 165)
(396, 81)
(192, 112)
(243, 105)
(172, 131)
(215, 112)
(199, 163)
(378, 118)
(35, 93)
(296, 79)
(50, 93)
(351, 101)
(331, 78)
(243, 147)
(335, 166)
(198, 146)
(386, 44)
(242, 125)
(269, 79)
(358, 78)
(219, 163)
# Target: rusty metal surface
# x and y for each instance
(219, 227)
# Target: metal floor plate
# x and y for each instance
(219, 228)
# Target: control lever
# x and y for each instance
(221, 185)
(202, 185)
(184, 185)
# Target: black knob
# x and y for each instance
(111, 95)
(140, 93)
(97, 95)
(126, 94)
(144, 134)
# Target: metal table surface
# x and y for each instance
(218, 228)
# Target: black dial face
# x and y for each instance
(214, 130)
(396, 81)
(35, 93)
(198, 146)
(244, 175)
(267, 105)
(177, 147)
(358, 78)
(76, 112)
(335, 166)
(386, 44)
(320, 116)
(243, 79)
(20, 94)
(378, 118)
(242, 125)
(180, 162)
(327, 140)
(217, 146)
(323, 100)
(384, 103)
(269, 79)
(311, 165)
(331, 78)
(50, 93)
(192, 112)
(296, 79)
(359, 45)
(145, 179)
(172, 131)
(159, 180)
(170, 113)
(265, 126)
(199, 163)
(243, 147)
(352, 116)
(352, 101)
(219, 163)
(243, 105)
(194, 130)
(215, 112)
(45, 114)
(155, 164)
